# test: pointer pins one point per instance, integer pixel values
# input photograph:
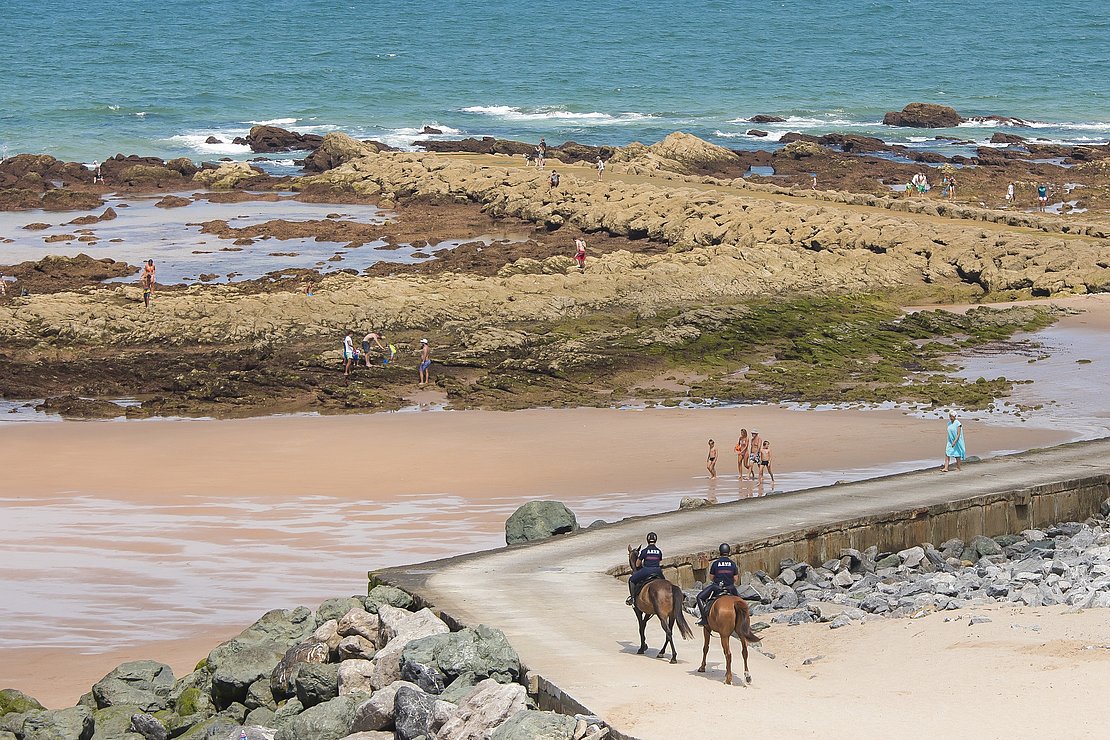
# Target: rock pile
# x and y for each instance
(1068, 563)
(369, 668)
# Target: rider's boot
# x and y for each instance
(631, 596)
(701, 609)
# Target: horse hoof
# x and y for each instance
(748, 678)
(674, 660)
(660, 655)
(728, 682)
(701, 670)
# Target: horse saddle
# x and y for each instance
(649, 579)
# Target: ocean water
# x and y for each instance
(84, 81)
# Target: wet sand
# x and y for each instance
(160, 538)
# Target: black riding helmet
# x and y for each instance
(652, 537)
(724, 549)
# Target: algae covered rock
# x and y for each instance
(538, 520)
(142, 683)
(330, 720)
(14, 700)
(390, 595)
(283, 677)
(74, 723)
(226, 176)
(533, 725)
(482, 652)
(317, 683)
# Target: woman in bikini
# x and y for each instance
(742, 462)
(711, 460)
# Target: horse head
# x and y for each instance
(633, 556)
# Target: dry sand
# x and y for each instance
(161, 538)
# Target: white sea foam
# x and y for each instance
(510, 113)
(811, 122)
(275, 122)
(197, 142)
(771, 135)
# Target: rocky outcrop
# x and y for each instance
(335, 149)
(538, 520)
(268, 139)
(227, 176)
(680, 153)
(924, 115)
(765, 118)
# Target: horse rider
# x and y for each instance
(725, 574)
(649, 564)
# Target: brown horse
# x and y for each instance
(659, 598)
(729, 616)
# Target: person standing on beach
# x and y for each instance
(711, 460)
(753, 453)
(376, 338)
(1010, 194)
(954, 449)
(742, 453)
(348, 354)
(1042, 195)
(425, 361)
(147, 281)
(813, 181)
(541, 153)
(580, 253)
(765, 462)
(600, 168)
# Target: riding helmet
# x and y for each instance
(724, 549)
(652, 537)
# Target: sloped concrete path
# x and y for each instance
(567, 617)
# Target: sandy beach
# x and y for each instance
(166, 549)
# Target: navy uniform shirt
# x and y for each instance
(723, 570)
(651, 557)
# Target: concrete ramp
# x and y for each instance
(562, 608)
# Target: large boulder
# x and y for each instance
(328, 721)
(336, 149)
(235, 665)
(74, 723)
(398, 628)
(488, 705)
(336, 608)
(376, 713)
(533, 725)
(147, 726)
(360, 622)
(538, 520)
(265, 139)
(924, 115)
(354, 676)
(284, 675)
(317, 683)
(438, 660)
(387, 595)
(412, 713)
(226, 176)
(111, 723)
(14, 700)
(142, 683)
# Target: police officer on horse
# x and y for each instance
(724, 574)
(649, 565)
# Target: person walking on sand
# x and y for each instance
(348, 354)
(954, 449)
(600, 168)
(753, 454)
(425, 361)
(376, 338)
(813, 181)
(1010, 194)
(742, 453)
(580, 253)
(711, 460)
(765, 462)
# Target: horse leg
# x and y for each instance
(670, 636)
(643, 619)
(728, 658)
(704, 648)
(744, 650)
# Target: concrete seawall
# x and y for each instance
(562, 608)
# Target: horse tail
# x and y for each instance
(677, 599)
(744, 626)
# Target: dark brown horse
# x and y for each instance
(729, 616)
(659, 598)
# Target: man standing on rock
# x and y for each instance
(425, 361)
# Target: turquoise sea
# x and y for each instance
(86, 80)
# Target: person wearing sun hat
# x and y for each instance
(425, 361)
